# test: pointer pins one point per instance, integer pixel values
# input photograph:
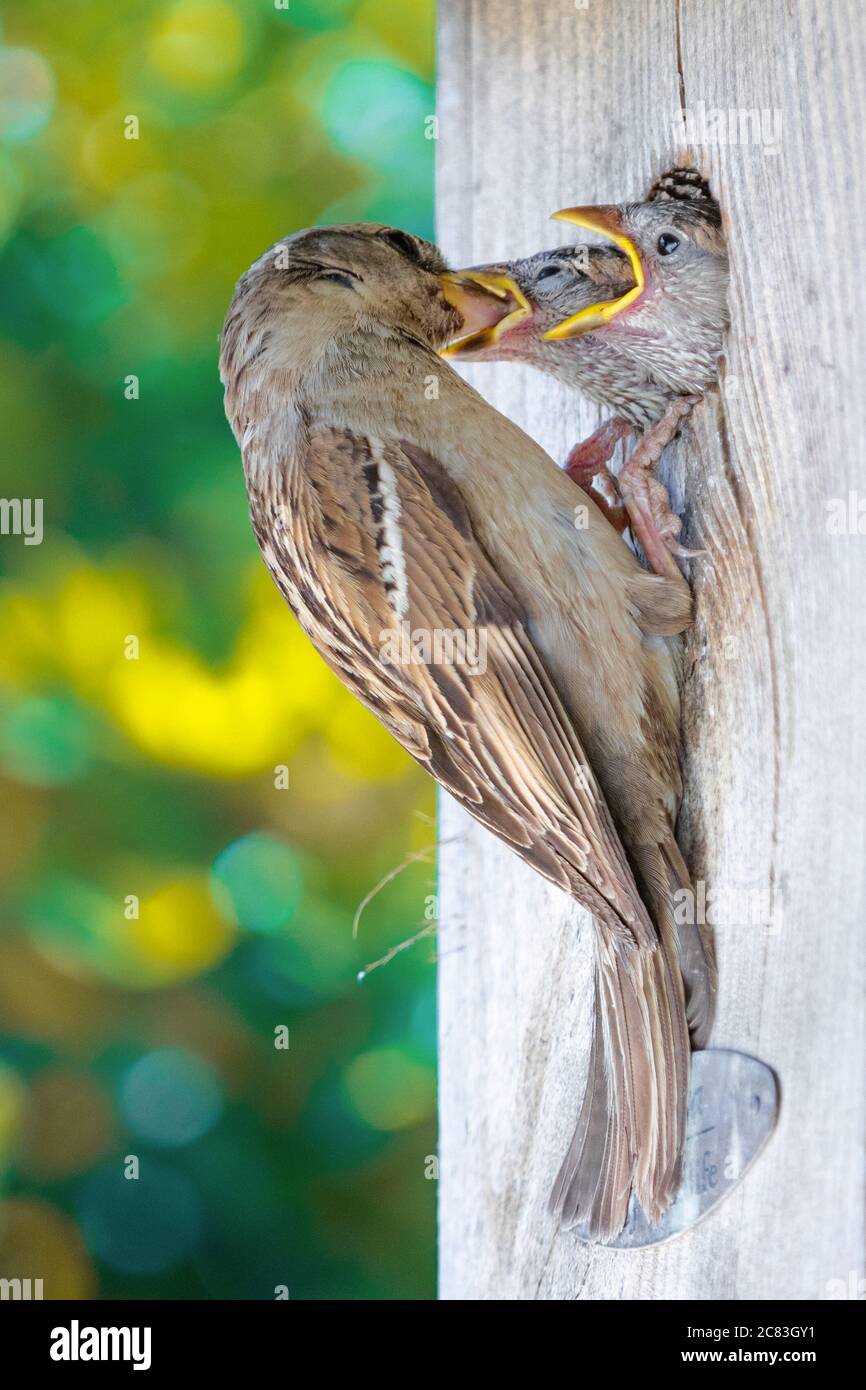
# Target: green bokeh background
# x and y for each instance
(193, 807)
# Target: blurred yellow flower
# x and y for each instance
(95, 630)
(198, 45)
(360, 746)
(176, 710)
(180, 930)
(76, 630)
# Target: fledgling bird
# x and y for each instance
(379, 510)
(637, 326)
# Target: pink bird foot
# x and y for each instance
(589, 460)
(646, 500)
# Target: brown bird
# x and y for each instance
(387, 497)
(638, 328)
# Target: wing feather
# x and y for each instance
(394, 555)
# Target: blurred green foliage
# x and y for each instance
(193, 806)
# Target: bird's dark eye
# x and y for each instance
(402, 242)
(548, 270)
(667, 243)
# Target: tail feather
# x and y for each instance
(652, 1005)
(595, 1170)
(631, 1128)
(697, 956)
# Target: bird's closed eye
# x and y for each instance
(340, 277)
(563, 274)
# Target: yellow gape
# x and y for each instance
(603, 221)
(461, 291)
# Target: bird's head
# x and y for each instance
(326, 282)
(675, 244)
(510, 308)
(665, 269)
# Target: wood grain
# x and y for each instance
(544, 105)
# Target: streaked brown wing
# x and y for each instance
(387, 565)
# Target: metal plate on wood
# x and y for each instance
(733, 1103)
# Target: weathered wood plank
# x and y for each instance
(546, 105)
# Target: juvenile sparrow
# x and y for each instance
(638, 328)
(388, 498)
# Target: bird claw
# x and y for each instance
(646, 500)
(684, 553)
(587, 465)
(636, 499)
(591, 456)
(653, 524)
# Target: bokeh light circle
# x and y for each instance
(375, 111)
(171, 1097)
(389, 1089)
(140, 1225)
(70, 1125)
(262, 876)
(182, 930)
(198, 45)
(45, 741)
(26, 93)
(38, 1242)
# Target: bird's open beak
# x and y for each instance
(490, 303)
(607, 221)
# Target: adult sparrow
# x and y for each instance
(637, 326)
(392, 504)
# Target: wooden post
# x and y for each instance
(543, 105)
